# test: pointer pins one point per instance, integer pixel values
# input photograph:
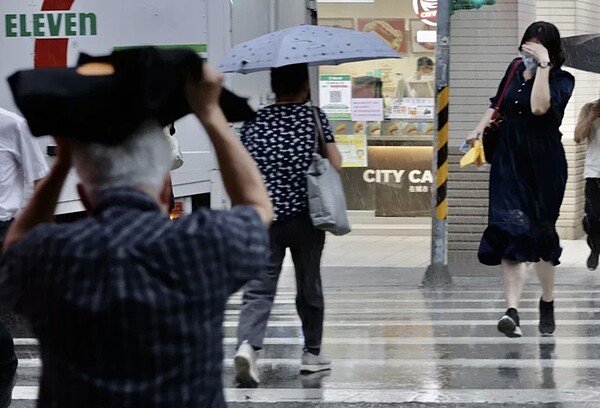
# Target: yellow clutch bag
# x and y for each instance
(475, 156)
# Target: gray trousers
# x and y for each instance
(8, 359)
(306, 246)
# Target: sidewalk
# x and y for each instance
(409, 252)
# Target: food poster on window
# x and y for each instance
(374, 128)
(391, 30)
(406, 128)
(335, 96)
(351, 141)
(409, 108)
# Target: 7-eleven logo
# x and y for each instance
(52, 52)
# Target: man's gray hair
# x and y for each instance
(142, 161)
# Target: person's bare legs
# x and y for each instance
(546, 272)
(513, 280)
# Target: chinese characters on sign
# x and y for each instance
(335, 96)
(353, 149)
(367, 109)
(351, 140)
(410, 108)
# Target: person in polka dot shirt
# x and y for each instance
(282, 139)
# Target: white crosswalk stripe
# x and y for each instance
(522, 397)
(417, 355)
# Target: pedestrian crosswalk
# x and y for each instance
(403, 346)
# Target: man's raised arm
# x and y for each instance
(241, 176)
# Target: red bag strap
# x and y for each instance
(513, 71)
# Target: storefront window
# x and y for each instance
(382, 111)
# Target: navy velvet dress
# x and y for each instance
(528, 175)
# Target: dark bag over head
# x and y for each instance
(106, 106)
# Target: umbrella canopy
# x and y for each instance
(315, 45)
(583, 52)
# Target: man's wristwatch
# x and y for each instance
(544, 64)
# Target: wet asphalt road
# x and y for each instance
(395, 344)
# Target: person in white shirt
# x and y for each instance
(177, 158)
(425, 68)
(22, 164)
(588, 130)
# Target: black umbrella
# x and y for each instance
(583, 52)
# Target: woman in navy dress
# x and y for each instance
(528, 174)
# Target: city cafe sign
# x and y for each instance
(426, 10)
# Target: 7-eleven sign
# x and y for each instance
(52, 52)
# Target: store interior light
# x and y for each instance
(426, 36)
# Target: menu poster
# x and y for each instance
(353, 149)
(367, 109)
(391, 30)
(410, 108)
(335, 96)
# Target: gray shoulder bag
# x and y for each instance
(326, 201)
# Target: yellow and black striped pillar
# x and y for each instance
(437, 273)
(441, 209)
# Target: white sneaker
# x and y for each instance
(246, 372)
(313, 364)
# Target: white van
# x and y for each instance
(52, 33)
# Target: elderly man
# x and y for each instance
(128, 306)
(22, 164)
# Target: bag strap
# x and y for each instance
(319, 136)
(513, 71)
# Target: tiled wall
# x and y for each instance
(483, 42)
(574, 17)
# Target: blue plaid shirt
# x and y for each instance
(128, 306)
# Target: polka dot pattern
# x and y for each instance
(281, 140)
(315, 45)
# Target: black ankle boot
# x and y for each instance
(547, 325)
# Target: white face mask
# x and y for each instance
(531, 63)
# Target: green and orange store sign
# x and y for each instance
(50, 25)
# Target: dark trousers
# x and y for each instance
(591, 220)
(8, 359)
(306, 246)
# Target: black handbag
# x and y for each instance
(491, 134)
